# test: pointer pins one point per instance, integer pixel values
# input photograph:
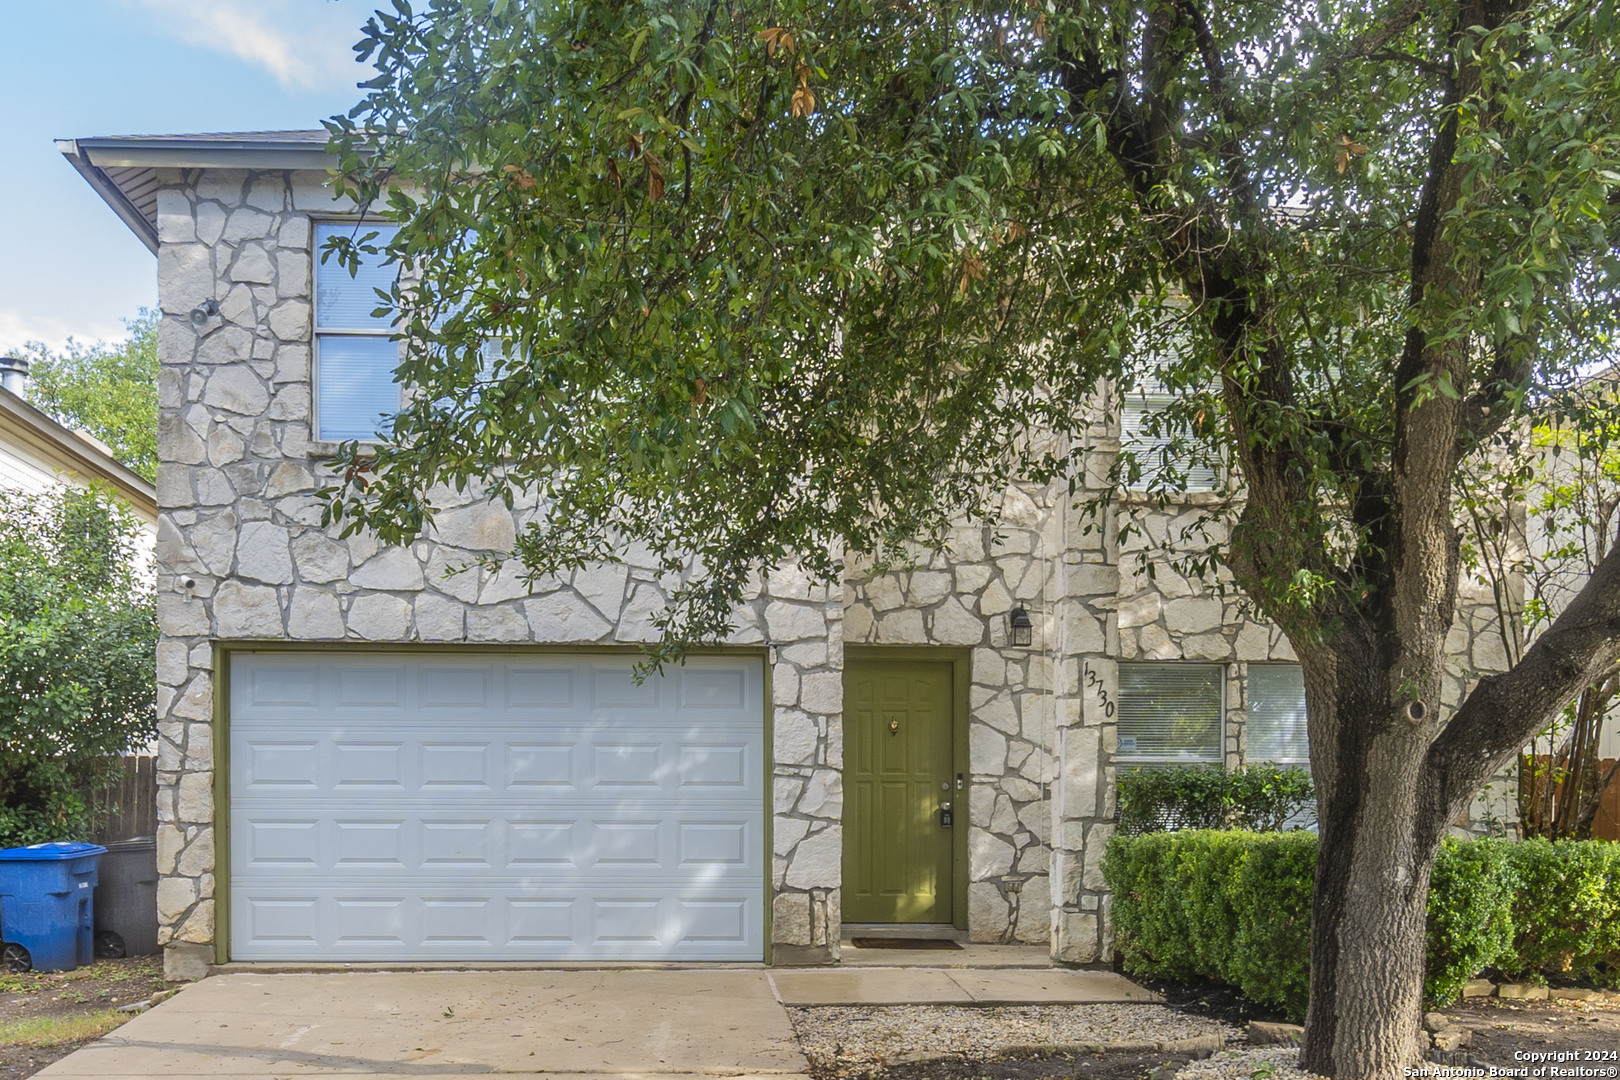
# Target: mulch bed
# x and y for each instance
(1503, 1028)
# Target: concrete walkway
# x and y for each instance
(954, 986)
(627, 1024)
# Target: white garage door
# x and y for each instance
(478, 807)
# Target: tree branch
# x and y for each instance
(1418, 62)
(1505, 711)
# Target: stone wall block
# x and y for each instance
(392, 569)
(290, 321)
(252, 264)
(194, 803)
(817, 861)
(379, 617)
(561, 616)
(313, 615)
(796, 736)
(786, 622)
(236, 389)
(176, 221)
(438, 618)
(262, 553)
(247, 611)
(246, 223)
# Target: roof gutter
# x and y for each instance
(110, 192)
(199, 152)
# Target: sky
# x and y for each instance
(79, 68)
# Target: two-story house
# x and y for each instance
(366, 758)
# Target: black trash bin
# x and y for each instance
(126, 899)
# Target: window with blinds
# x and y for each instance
(1149, 448)
(1276, 715)
(355, 356)
(1170, 714)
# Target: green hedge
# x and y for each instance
(1235, 906)
(1265, 798)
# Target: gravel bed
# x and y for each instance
(861, 1036)
(1242, 1065)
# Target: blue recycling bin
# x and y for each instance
(47, 906)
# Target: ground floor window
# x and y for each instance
(1170, 714)
(1276, 715)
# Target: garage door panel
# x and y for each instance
(666, 843)
(496, 808)
(547, 688)
(624, 765)
(627, 923)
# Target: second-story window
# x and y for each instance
(1137, 434)
(355, 356)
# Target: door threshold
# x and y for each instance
(902, 930)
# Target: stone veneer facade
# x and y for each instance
(243, 558)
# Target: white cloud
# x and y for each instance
(20, 327)
(305, 44)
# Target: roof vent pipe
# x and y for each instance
(13, 374)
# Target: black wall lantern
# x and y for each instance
(1020, 631)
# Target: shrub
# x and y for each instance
(1470, 914)
(78, 631)
(1217, 904)
(1235, 906)
(1262, 798)
(1566, 914)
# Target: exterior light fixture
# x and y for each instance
(1020, 631)
(204, 311)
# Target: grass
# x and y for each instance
(57, 1030)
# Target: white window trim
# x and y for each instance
(316, 330)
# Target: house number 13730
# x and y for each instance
(1094, 682)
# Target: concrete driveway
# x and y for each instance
(418, 1025)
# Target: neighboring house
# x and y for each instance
(37, 454)
(365, 759)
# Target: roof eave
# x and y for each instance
(93, 158)
(110, 193)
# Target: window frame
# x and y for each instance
(1136, 759)
(316, 330)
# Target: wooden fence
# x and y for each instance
(1606, 826)
(128, 809)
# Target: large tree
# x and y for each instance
(795, 278)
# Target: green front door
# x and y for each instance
(899, 772)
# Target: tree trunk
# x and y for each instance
(1377, 847)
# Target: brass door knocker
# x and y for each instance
(894, 727)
